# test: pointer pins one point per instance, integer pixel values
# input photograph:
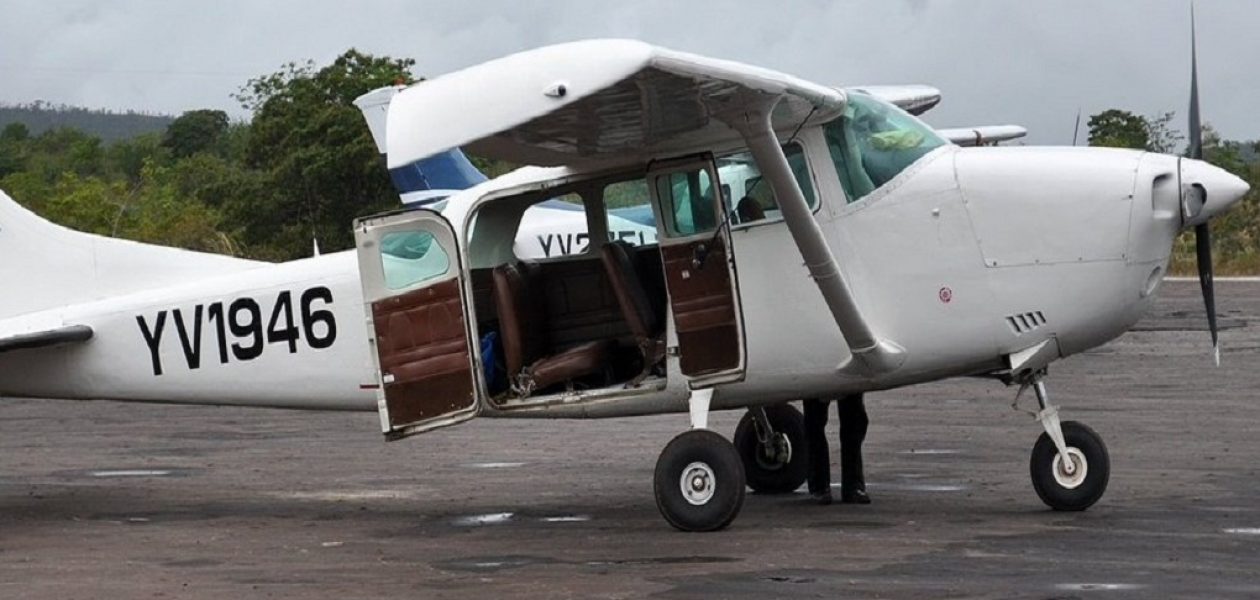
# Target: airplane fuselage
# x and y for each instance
(961, 274)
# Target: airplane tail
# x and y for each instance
(44, 265)
(426, 180)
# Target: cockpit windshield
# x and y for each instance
(874, 141)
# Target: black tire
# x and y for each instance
(693, 452)
(766, 475)
(1097, 469)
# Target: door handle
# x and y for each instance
(699, 255)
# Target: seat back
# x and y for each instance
(749, 210)
(636, 307)
(522, 320)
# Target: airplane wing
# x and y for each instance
(49, 337)
(914, 99)
(592, 102)
(983, 136)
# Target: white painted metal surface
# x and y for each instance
(585, 102)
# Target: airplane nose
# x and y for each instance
(1209, 190)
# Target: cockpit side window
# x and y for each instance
(873, 141)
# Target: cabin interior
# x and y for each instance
(584, 306)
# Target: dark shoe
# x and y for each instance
(823, 498)
(855, 496)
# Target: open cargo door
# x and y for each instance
(413, 292)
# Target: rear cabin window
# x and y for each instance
(553, 228)
(409, 258)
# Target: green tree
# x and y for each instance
(1160, 135)
(127, 158)
(15, 132)
(315, 148)
(1116, 128)
(195, 131)
(12, 153)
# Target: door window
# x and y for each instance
(411, 257)
(687, 200)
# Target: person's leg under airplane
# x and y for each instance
(853, 424)
(818, 451)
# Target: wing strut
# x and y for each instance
(870, 354)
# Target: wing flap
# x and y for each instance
(69, 334)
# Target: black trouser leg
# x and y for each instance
(819, 454)
(853, 423)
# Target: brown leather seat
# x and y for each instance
(526, 345)
(636, 306)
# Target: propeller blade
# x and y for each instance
(1202, 233)
(1195, 149)
(1203, 251)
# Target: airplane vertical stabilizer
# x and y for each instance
(44, 265)
(424, 180)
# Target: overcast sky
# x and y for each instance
(997, 61)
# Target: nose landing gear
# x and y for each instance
(1069, 466)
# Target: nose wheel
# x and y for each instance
(1069, 466)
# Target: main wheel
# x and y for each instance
(781, 466)
(699, 481)
(1084, 484)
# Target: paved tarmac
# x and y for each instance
(104, 500)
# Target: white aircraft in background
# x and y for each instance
(870, 254)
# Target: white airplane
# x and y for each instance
(869, 254)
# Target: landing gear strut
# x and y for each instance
(771, 444)
(1069, 466)
(699, 480)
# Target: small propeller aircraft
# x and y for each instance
(806, 241)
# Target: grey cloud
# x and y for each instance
(997, 61)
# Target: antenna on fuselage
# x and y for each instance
(1076, 131)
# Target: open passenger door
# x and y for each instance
(413, 293)
(699, 269)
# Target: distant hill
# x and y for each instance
(107, 125)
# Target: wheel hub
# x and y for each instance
(1071, 473)
(697, 483)
(775, 455)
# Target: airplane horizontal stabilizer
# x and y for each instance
(40, 339)
(983, 135)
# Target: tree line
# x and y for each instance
(301, 169)
(304, 166)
